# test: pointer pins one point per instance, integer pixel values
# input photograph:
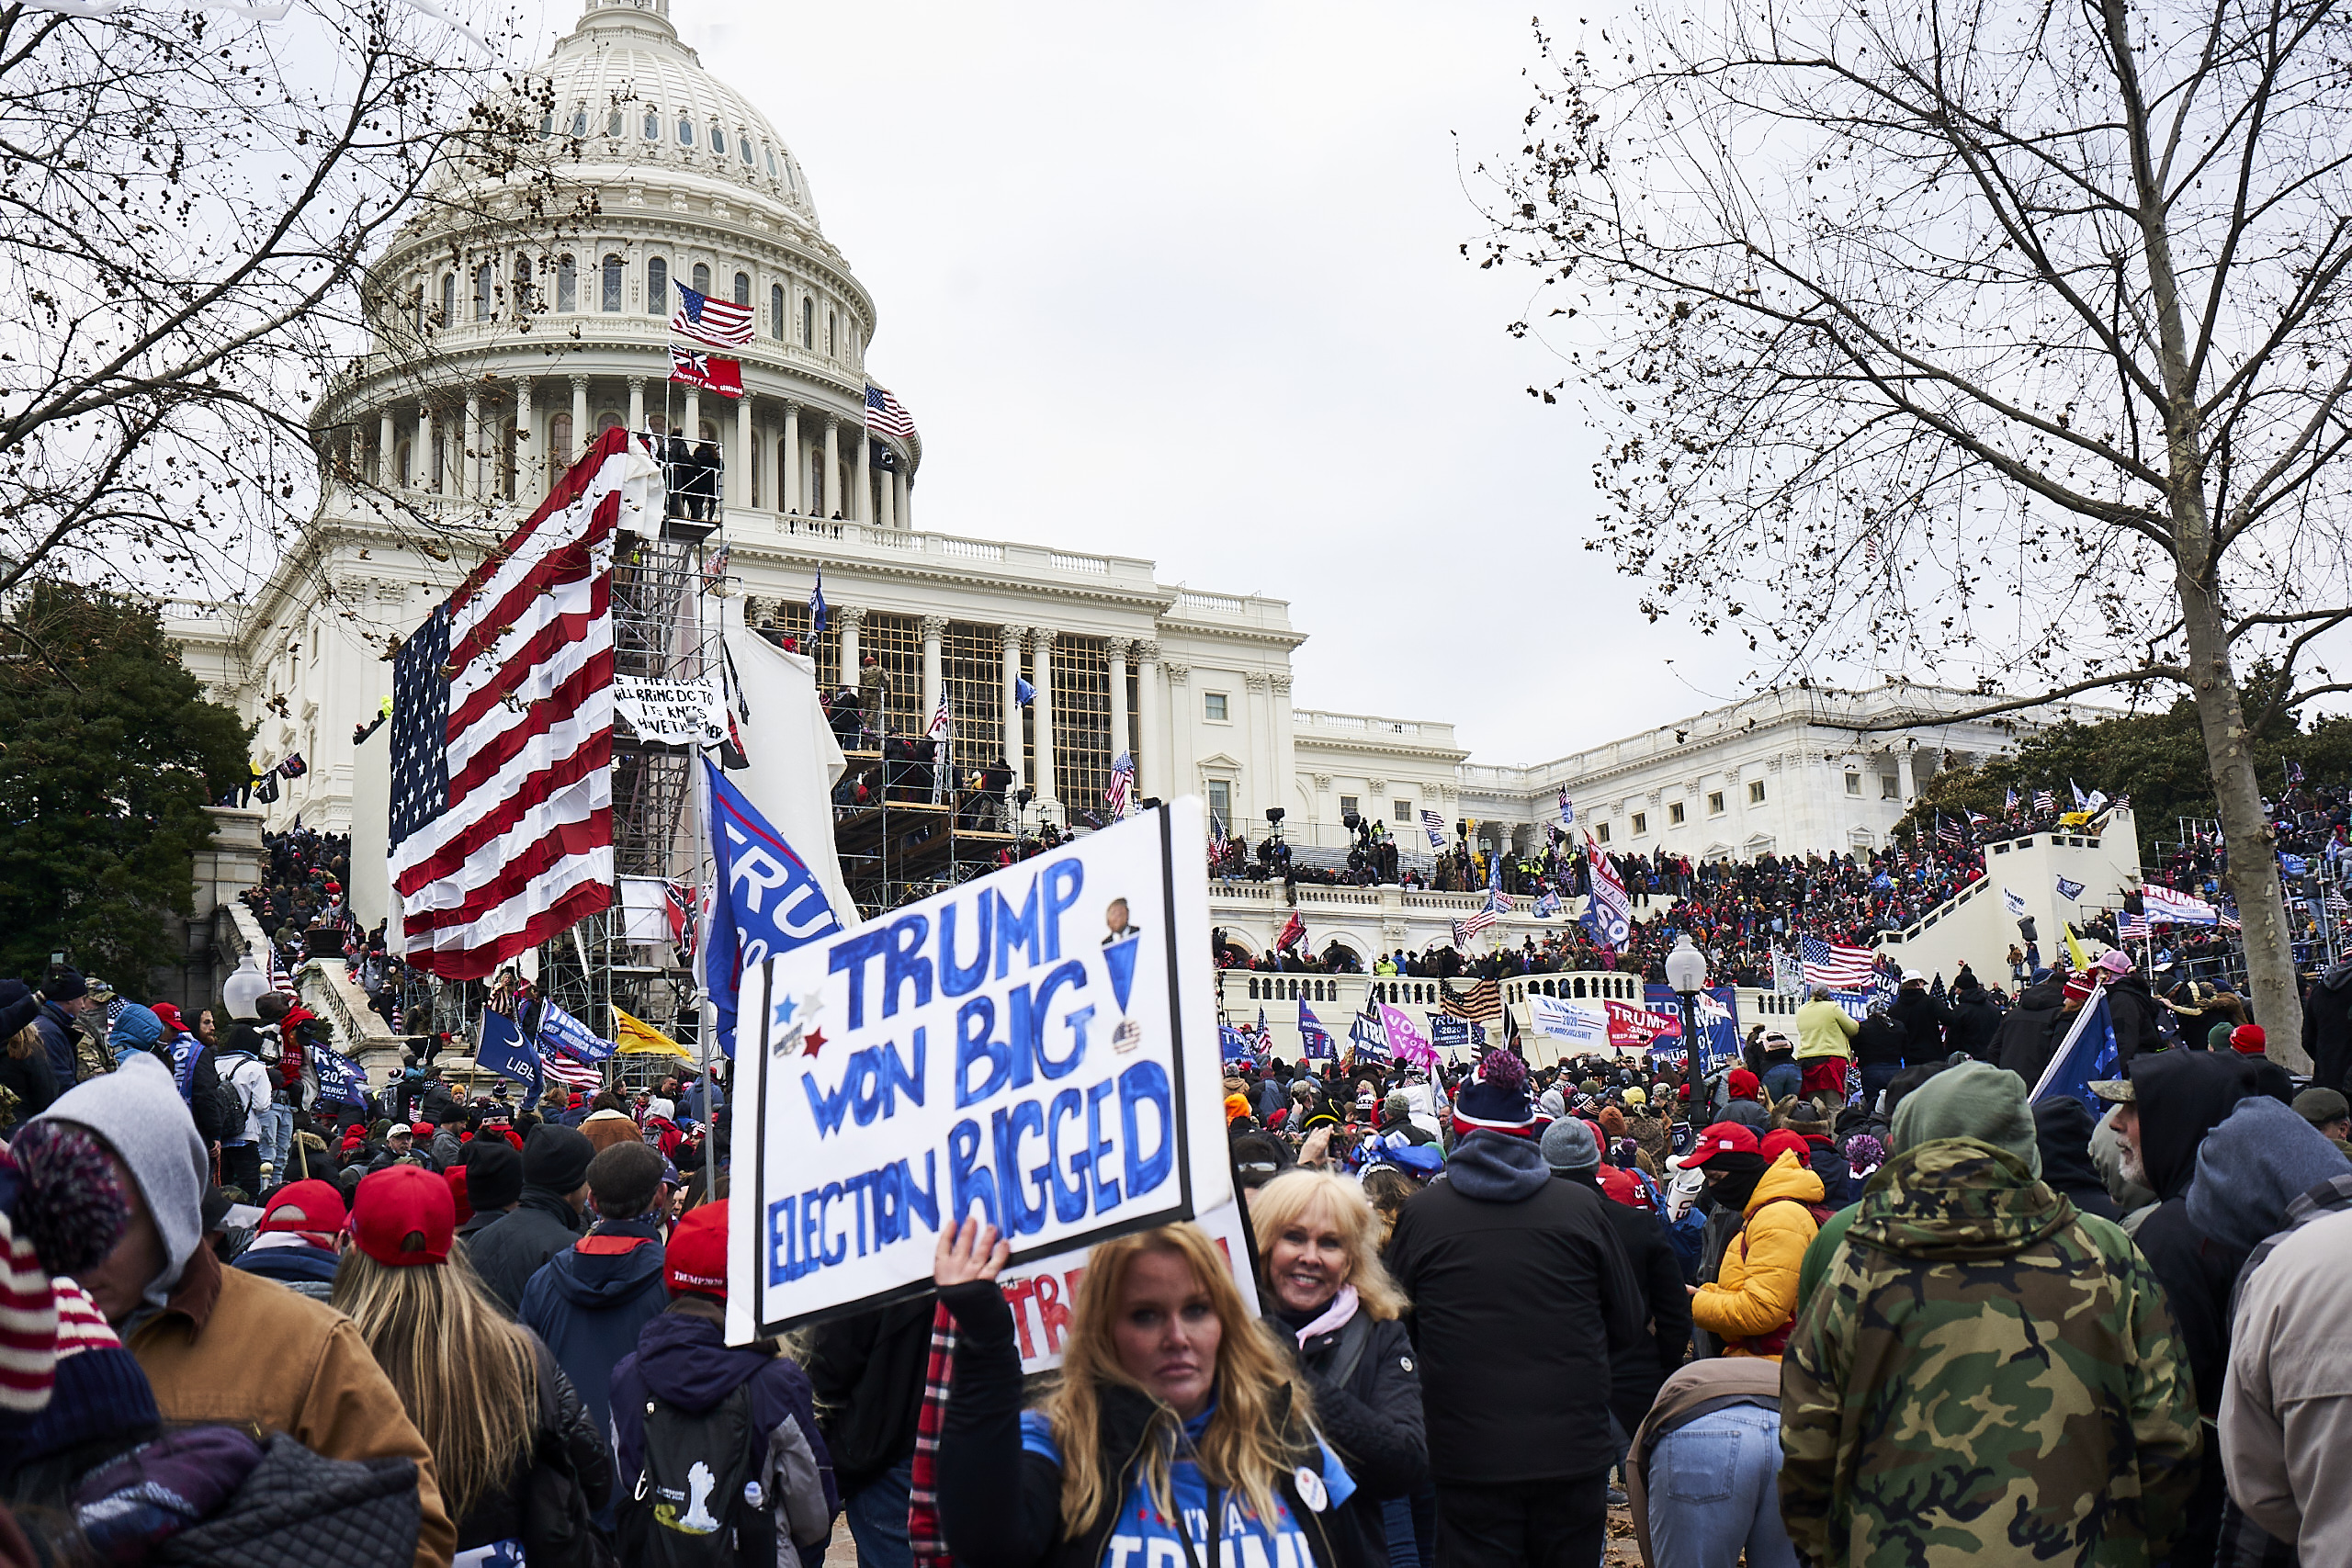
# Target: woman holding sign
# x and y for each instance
(1178, 1420)
(1318, 1233)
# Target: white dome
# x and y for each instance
(623, 72)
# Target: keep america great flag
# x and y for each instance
(500, 826)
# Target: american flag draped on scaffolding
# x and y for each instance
(501, 825)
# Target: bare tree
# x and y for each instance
(2003, 341)
(186, 204)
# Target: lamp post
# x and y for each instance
(1686, 971)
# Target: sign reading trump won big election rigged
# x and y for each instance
(1036, 1048)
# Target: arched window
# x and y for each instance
(481, 292)
(559, 437)
(547, 125)
(652, 123)
(772, 173)
(580, 120)
(613, 121)
(702, 277)
(522, 285)
(744, 290)
(567, 284)
(743, 145)
(607, 421)
(612, 288)
(816, 486)
(718, 140)
(449, 300)
(657, 287)
(775, 311)
(686, 131)
(808, 323)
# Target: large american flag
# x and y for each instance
(501, 746)
(1465, 930)
(1835, 965)
(885, 416)
(719, 322)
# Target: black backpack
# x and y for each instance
(220, 1113)
(698, 1502)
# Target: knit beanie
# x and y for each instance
(556, 1159)
(101, 1392)
(493, 1174)
(1495, 1097)
(136, 1111)
(1570, 1148)
(1970, 1099)
(2257, 1160)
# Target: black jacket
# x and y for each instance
(1878, 1042)
(2132, 1008)
(31, 1081)
(1372, 1421)
(507, 1253)
(2328, 1027)
(567, 1431)
(1974, 1022)
(999, 1506)
(867, 1371)
(2025, 1042)
(1923, 1020)
(2062, 1129)
(1637, 1372)
(1522, 1298)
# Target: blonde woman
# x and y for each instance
(1319, 1237)
(488, 1398)
(1180, 1432)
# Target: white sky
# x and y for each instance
(1183, 281)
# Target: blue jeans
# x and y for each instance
(1783, 1079)
(1714, 1491)
(877, 1520)
(1876, 1075)
(278, 1138)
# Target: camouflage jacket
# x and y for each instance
(1985, 1375)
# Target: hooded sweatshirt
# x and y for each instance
(1967, 1286)
(2262, 1157)
(588, 1302)
(2328, 1027)
(137, 1112)
(2062, 1128)
(683, 1360)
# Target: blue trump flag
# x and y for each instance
(1237, 1045)
(504, 1052)
(342, 1081)
(765, 900)
(562, 1033)
(1315, 1040)
(2087, 1056)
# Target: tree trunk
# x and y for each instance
(2253, 875)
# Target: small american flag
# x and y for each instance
(2229, 918)
(2045, 800)
(1465, 930)
(2129, 925)
(885, 416)
(563, 1070)
(1122, 782)
(719, 322)
(2120, 799)
(1948, 831)
(1836, 965)
(1435, 825)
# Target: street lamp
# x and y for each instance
(1686, 972)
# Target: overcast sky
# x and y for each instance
(1183, 281)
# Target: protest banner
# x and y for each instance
(1718, 1018)
(1038, 1048)
(1042, 1294)
(670, 713)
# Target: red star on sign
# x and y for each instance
(810, 1043)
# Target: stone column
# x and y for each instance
(907, 500)
(636, 404)
(1041, 675)
(1011, 639)
(528, 486)
(885, 507)
(863, 496)
(789, 459)
(834, 468)
(1119, 739)
(933, 682)
(387, 467)
(421, 456)
(852, 617)
(579, 422)
(1901, 775)
(470, 485)
(1151, 755)
(738, 470)
(1285, 782)
(693, 417)
(1260, 748)
(1180, 776)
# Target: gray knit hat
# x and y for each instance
(1570, 1148)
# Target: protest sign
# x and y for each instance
(1638, 1028)
(1038, 1048)
(1718, 1019)
(1041, 1295)
(1582, 1026)
(670, 713)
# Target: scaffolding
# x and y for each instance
(900, 845)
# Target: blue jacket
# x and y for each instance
(588, 1302)
(57, 1039)
(683, 1360)
(306, 1269)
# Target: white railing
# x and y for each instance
(1189, 602)
(1091, 566)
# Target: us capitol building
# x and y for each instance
(503, 340)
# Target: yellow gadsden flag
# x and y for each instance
(634, 1037)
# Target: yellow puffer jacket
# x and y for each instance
(1753, 1299)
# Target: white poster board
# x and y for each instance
(1037, 1046)
(1042, 1294)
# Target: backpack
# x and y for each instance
(220, 1113)
(698, 1501)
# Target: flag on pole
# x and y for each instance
(635, 1037)
(1315, 1040)
(504, 1051)
(2011, 804)
(1947, 831)
(1406, 1042)
(2082, 801)
(2088, 1055)
(1234, 1045)
(1024, 693)
(563, 1035)
(1838, 965)
(1548, 905)
(2076, 957)
(2045, 800)
(1264, 1037)
(1609, 914)
(1120, 796)
(342, 1081)
(816, 608)
(501, 821)
(721, 323)
(1435, 827)
(884, 416)
(1568, 808)
(707, 371)
(1366, 1040)
(1482, 1003)
(765, 900)
(1293, 928)
(2013, 901)
(2069, 889)
(575, 1075)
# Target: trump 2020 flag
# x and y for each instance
(504, 1051)
(764, 901)
(2088, 1055)
(342, 1081)
(1315, 1040)
(561, 1032)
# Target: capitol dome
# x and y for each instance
(527, 305)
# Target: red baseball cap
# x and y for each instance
(421, 1129)
(1776, 1144)
(697, 1258)
(404, 1215)
(1722, 1139)
(311, 1206)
